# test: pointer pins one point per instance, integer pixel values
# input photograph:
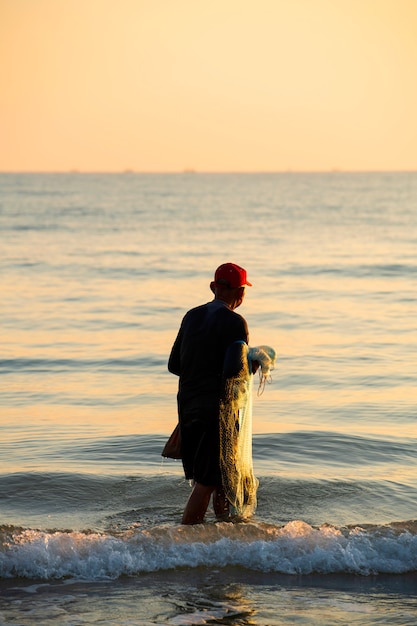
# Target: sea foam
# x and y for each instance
(296, 548)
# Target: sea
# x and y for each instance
(97, 271)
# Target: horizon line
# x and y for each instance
(192, 171)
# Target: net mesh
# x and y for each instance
(239, 482)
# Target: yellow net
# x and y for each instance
(239, 482)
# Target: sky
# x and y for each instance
(224, 85)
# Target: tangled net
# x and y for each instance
(239, 482)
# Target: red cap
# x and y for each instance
(234, 275)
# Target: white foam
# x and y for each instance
(296, 548)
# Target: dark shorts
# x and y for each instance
(200, 445)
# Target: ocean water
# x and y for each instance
(97, 271)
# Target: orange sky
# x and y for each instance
(224, 85)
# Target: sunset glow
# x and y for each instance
(93, 85)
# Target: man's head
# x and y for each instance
(229, 284)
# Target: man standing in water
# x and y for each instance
(197, 357)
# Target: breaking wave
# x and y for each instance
(296, 548)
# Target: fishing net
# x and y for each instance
(239, 482)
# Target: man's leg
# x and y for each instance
(197, 504)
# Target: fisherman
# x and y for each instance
(198, 357)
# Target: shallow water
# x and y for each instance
(98, 271)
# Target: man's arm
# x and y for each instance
(174, 361)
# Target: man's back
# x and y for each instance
(199, 350)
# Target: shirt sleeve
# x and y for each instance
(174, 361)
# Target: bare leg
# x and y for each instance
(220, 503)
(197, 504)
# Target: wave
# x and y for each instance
(296, 548)
(290, 449)
(44, 365)
(382, 270)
